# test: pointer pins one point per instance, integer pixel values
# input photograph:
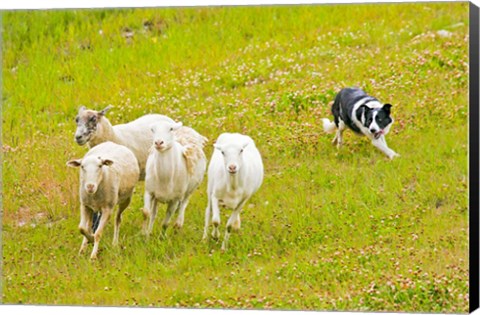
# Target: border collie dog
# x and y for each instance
(364, 114)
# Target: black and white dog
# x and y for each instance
(363, 114)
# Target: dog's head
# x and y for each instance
(376, 120)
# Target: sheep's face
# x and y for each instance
(232, 156)
(87, 122)
(164, 135)
(91, 172)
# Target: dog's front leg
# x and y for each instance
(381, 144)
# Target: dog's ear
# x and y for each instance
(361, 113)
(387, 108)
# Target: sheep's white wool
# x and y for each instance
(94, 128)
(175, 168)
(193, 144)
(108, 175)
(235, 173)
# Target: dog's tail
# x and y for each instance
(328, 126)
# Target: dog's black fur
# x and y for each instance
(342, 108)
(362, 113)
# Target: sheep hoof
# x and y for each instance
(236, 225)
(145, 230)
(394, 155)
(178, 225)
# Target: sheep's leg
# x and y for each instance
(106, 212)
(86, 218)
(181, 213)
(153, 214)
(95, 221)
(207, 220)
(233, 218)
(171, 208)
(236, 221)
(215, 218)
(85, 226)
(121, 207)
(147, 200)
(83, 246)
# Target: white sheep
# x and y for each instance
(94, 128)
(235, 173)
(175, 168)
(108, 174)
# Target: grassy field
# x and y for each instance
(328, 230)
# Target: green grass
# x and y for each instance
(328, 230)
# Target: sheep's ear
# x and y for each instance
(81, 109)
(107, 162)
(245, 145)
(74, 163)
(177, 125)
(105, 110)
(218, 147)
